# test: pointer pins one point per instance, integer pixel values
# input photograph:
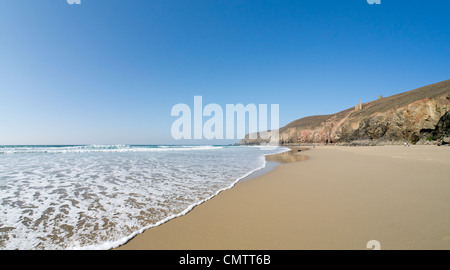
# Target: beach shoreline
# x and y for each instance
(337, 197)
(294, 154)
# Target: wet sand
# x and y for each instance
(338, 198)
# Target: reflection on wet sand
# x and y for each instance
(294, 155)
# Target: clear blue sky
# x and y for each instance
(109, 71)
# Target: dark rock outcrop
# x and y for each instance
(441, 133)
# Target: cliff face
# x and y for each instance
(417, 116)
(399, 125)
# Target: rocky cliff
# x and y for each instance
(419, 116)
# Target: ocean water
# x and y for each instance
(100, 196)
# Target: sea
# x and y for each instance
(57, 197)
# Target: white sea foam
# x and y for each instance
(98, 197)
(100, 148)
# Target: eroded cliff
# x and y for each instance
(418, 116)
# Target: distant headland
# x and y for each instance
(419, 116)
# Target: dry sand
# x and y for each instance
(339, 198)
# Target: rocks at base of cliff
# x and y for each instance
(444, 141)
(362, 143)
(440, 134)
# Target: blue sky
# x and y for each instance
(109, 71)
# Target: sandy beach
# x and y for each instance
(336, 198)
